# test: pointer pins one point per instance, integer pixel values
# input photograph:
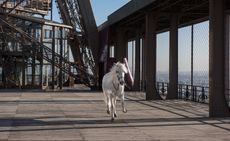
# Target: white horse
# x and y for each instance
(113, 85)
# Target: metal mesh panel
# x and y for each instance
(193, 62)
(201, 54)
(184, 55)
(163, 57)
(162, 75)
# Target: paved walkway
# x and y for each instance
(70, 116)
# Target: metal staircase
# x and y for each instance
(83, 38)
(42, 51)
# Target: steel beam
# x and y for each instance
(5, 2)
(90, 27)
(63, 11)
(85, 42)
(15, 7)
(41, 59)
(137, 64)
(61, 59)
(217, 102)
(53, 57)
(128, 9)
(150, 54)
(173, 59)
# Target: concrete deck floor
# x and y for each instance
(71, 116)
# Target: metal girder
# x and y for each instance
(85, 37)
(15, 6)
(90, 26)
(64, 14)
(3, 3)
(26, 6)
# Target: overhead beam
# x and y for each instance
(128, 9)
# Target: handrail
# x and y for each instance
(186, 91)
(190, 92)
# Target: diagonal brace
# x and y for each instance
(15, 6)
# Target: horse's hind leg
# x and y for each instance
(123, 103)
(108, 105)
(114, 106)
(106, 99)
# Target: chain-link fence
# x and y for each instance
(184, 55)
(193, 66)
(163, 57)
(201, 54)
(193, 61)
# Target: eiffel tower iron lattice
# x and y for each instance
(35, 46)
(83, 36)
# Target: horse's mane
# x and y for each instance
(118, 65)
(114, 67)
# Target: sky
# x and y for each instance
(103, 8)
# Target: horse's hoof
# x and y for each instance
(108, 112)
(125, 111)
(115, 115)
(112, 119)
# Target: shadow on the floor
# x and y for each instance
(30, 124)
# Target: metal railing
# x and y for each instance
(193, 93)
(186, 92)
(162, 89)
(190, 92)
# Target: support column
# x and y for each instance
(33, 67)
(53, 58)
(33, 59)
(137, 64)
(61, 60)
(150, 51)
(121, 45)
(24, 64)
(227, 58)
(217, 102)
(41, 59)
(173, 59)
